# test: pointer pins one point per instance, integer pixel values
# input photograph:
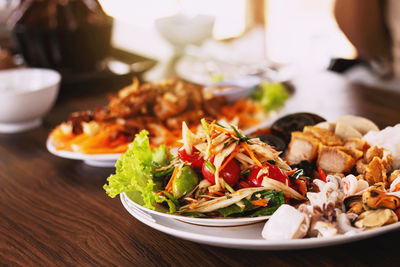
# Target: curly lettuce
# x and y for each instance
(271, 95)
(135, 173)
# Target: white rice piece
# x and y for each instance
(388, 138)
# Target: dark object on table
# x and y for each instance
(284, 126)
(341, 65)
(69, 36)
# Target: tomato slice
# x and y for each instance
(194, 160)
(230, 173)
(272, 172)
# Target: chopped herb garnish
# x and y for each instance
(242, 138)
(164, 172)
(227, 186)
(210, 166)
(205, 126)
(297, 174)
(245, 173)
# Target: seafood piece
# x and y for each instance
(346, 131)
(332, 159)
(375, 218)
(353, 204)
(286, 223)
(284, 126)
(344, 221)
(362, 125)
(326, 137)
(324, 229)
(353, 186)
(375, 198)
(303, 146)
(330, 191)
(395, 185)
(394, 176)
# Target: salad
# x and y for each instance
(217, 172)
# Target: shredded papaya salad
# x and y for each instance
(217, 172)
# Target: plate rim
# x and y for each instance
(80, 156)
(258, 244)
(211, 222)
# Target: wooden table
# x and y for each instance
(54, 212)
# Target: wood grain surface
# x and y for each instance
(54, 212)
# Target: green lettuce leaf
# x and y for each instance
(271, 95)
(135, 170)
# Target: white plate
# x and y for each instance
(197, 221)
(97, 160)
(241, 237)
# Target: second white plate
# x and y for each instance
(96, 160)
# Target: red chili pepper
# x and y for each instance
(322, 175)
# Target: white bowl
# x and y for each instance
(181, 30)
(26, 95)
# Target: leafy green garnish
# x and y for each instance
(271, 95)
(275, 200)
(134, 172)
(235, 209)
(164, 172)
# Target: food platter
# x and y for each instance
(220, 222)
(95, 160)
(241, 237)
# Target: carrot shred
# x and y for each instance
(221, 129)
(251, 154)
(260, 202)
(219, 193)
(322, 174)
(301, 185)
(168, 188)
(231, 156)
(288, 173)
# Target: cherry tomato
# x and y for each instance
(273, 172)
(230, 173)
(194, 160)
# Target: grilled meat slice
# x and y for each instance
(332, 159)
(303, 146)
(326, 137)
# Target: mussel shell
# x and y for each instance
(274, 141)
(350, 199)
(284, 126)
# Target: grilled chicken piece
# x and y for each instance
(303, 146)
(355, 153)
(381, 153)
(326, 137)
(332, 159)
(356, 143)
(375, 172)
(373, 152)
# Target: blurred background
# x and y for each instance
(199, 41)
